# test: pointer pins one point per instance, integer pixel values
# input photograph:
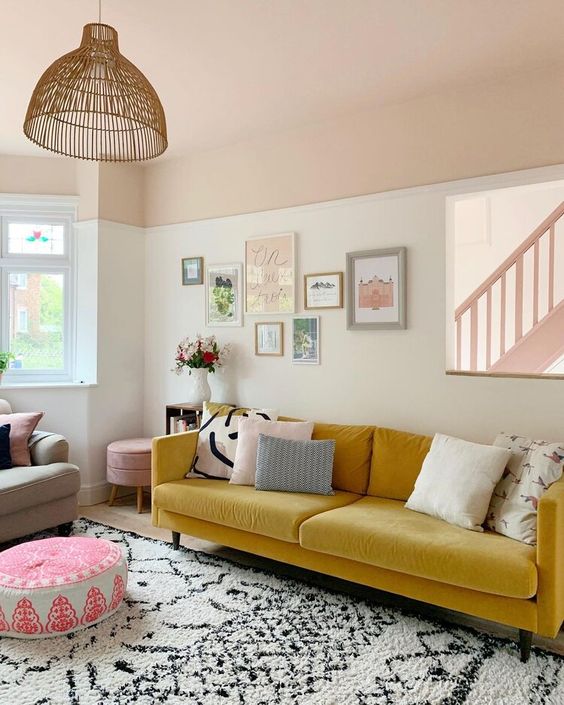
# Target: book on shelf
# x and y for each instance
(183, 423)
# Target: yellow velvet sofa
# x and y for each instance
(364, 533)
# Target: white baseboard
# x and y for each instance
(93, 494)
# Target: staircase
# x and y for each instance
(485, 320)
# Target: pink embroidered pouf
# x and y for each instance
(56, 586)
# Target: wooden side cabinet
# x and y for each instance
(183, 417)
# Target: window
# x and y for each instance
(36, 280)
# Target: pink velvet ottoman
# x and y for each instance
(129, 465)
(57, 586)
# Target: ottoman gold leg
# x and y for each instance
(113, 496)
(139, 500)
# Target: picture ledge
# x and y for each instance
(517, 375)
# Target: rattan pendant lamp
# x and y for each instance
(93, 103)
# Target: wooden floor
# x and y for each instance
(124, 516)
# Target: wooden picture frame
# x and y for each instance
(306, 340)
(269, 338)
(324, 290)
(270, 274)
(224, 295)
(377, 288)
(192, 270)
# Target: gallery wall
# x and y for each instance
(390, 378)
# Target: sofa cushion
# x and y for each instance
(457, 481)
(353, 448)
(397, 457)
(383, 533)
(273, 514)
(23, 487)
(294, 466)
(245, 466)
(217, 438)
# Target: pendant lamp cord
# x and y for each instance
(99, 11)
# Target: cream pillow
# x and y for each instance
(244, 469)
(457, 481)
(533, 468)
(217, 439)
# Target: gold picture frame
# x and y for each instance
(323, 290)
(269, 338)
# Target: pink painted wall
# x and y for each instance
(477, 130)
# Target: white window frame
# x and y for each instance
(23, 329)
(57, 210)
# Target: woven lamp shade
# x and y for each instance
(93, 103)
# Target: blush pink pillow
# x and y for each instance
(244, 468)
(21, 428)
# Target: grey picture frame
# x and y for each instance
(352, 257)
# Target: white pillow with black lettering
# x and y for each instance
(457, 481)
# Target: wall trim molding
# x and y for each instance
(93, 494)
(54, 203)
(447, 188)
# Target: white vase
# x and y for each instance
(200, 390)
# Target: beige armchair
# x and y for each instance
(42, 496)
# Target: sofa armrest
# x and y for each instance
(48, 448)
(172, 456)
(550, 560)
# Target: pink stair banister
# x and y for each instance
(534, 354)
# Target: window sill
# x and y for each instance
(502, 375)
(47, 385)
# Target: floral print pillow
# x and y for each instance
(532, 468)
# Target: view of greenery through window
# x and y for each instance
(37, 320)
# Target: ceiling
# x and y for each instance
(229, 70)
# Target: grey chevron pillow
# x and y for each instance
(294, 466)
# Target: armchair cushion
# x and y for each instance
(21, 428)
(24, 487)
(5, 457)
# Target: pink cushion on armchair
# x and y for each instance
(21, 427)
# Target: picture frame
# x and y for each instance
(192, 270)
(305, 340)
(376, 282)
(324, 290)
(270, 274)
(269, 338)
(224, 295)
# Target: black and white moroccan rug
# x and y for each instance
(201, 630)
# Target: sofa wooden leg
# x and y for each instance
(65, 529)
(525, 639)
(176, 540)
(113, 495)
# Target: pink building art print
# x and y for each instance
(376, 293)
(377, 287)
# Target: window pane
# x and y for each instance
(37, 320)
(36, 239)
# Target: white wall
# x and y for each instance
(93, 416)
(394, 378)
(513, 215)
